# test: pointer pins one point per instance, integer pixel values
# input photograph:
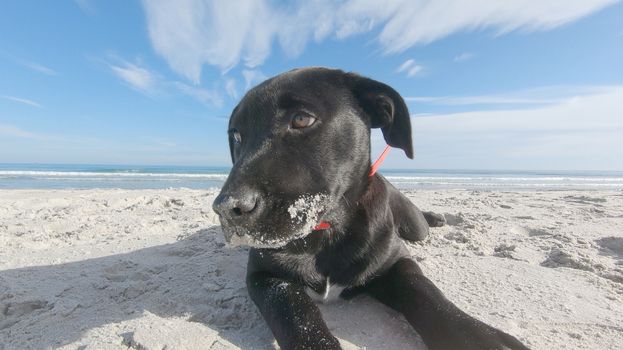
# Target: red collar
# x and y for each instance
(323, 225)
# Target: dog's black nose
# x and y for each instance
(236, 207)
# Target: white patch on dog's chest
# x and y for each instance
(331, 293)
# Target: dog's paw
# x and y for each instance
(434, 219)
(475, 335)
(502, 341)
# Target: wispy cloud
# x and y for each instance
(415, 70)
(86, 6)
(480, 100)
(410, 68)
(465, 56)
(535, 96)
(137, 77)
(22, 100)
(405, 65)
(252, 77)
(151, 84)
(577, 132)
(210, 97)
(192, 33)
(230, 88)
(39, 68)
(12, 131)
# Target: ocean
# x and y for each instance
(72, 176)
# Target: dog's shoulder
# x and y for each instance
(409, 221)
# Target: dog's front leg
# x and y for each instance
(440, 323)
(291, 314)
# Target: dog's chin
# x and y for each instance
(239, 236)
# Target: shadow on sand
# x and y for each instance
(195, 279)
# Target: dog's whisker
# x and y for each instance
(346, 201)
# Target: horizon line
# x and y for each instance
(229, 166)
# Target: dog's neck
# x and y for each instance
(377, 163)
(325, 225)
(355, 212)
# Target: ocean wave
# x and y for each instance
(64, 174)
(506, 185)
(155, 179)
(495, 178)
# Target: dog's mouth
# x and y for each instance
(280, 225)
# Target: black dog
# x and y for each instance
(300, 145)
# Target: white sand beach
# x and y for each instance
(148, 269)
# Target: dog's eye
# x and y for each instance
(236, 136)
(302, 120)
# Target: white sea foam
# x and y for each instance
(154, 178)
(491, 178)
(60, 174)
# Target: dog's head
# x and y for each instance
(300, 147)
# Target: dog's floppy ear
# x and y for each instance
(386, 110)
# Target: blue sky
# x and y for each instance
(516, 84)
